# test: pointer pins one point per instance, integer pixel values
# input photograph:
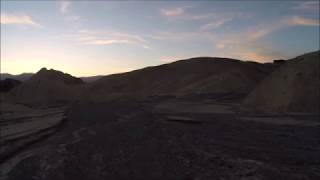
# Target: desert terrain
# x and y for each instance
(199, 118)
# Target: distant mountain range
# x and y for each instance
(26, 76)
(19, 77)
(291, 85)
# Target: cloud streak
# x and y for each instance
(174, 12)
(249, 45)
(215, 24)
(21, 19)
(301, 21)
(308, 6)
(214, 20)
(264, 30)
(89, 37)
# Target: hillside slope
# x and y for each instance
(202, 75)
(292, 87)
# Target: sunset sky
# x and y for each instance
(87, 38)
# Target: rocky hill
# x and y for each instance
(292, 87)
(47, 87)
(203, 75)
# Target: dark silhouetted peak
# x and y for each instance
(47, 87)
(43, 69)
(53, 75)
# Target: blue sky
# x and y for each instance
(87, 38)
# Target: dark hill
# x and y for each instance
(292, 87)
(8, 84)
(203, 75)
(46, 87)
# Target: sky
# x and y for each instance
(86, 38)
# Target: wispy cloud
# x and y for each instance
(215, 24)
(260, 31)
(106, 42)
(64, 6)
(21, 19)
(90, 37)
(69, 16)
(181, 13)
(308, 6)
(248, 50)
(250, 55)
(301, 21)
(214, 19)
(249, 45)
(264, 30)
(174, 12)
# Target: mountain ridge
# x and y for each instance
(194, 76)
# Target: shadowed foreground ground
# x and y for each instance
(173, 138)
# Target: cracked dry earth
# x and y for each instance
(173, 139)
